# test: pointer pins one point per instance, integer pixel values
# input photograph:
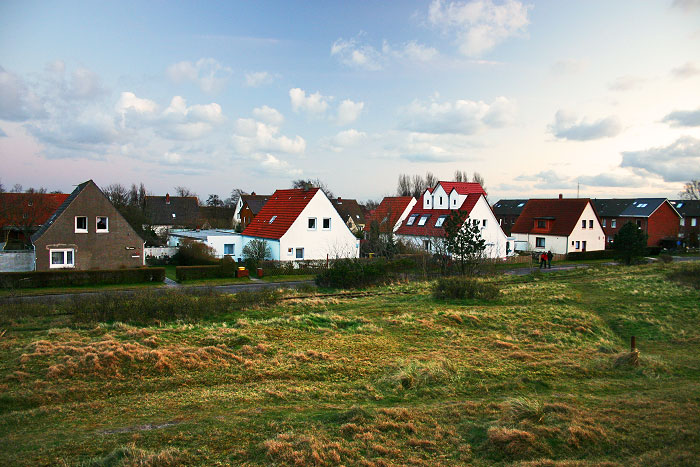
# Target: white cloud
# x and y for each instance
(681, 118)
(2, 133)
(569, 66)
(271, 165)
(479, 25)
(612, 180)
(128, 101)
(547, 179)
(251, 137)
(460, 117)
(17, 101)
(411, 51)
(313, 103)
(268, 115)
(85, 84)
(687, 70)
(346, 139)
(349, 111)
(207, 73)
(677, 162)
(625, 83)
(567, 126)
(258, 78)
(357, 54)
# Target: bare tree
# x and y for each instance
(17, 188)
(2, 187)
(214, 201)
(232, 200)
(430, 181)
(315, 183)
(137, 196)
(404, 186)
(117, 194)
(461, 176)
(372, 204)
(691, 190)
(184, 191)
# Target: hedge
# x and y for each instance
(352, 273)
(188, 273)
(65, 278)
(605, 254)
(279, 268)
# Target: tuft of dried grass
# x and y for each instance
(505, 345)
(303, 450)
(516, 443)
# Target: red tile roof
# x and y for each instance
(463, 188)
(429, 229)
(390, 209)
(14, 206)
(287, 205)
(564, 214)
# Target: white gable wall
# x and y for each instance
(336, 242)
(440, 198)
(427, 200)
(492, 232)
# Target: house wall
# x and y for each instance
(273, 244)
(663, 224)
(554, 243)
(338, 242)
(120, 247)
(441, 199)
(217, 242)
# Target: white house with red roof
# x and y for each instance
(390, 213)
(300, 225)
(423, 226)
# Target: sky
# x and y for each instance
(584, 98)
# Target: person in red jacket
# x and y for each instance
(543, 260)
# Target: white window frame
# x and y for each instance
(590, 224)
(308, 221)
(613, 223)
(97, 220)
(233, 249)
(537, 242)
(578, 245)
(423, 219)
(682, 221)
(78, 230)
(297, 250)
(323, 223)
(583, 224)
(64, 264)
(693, 221)
(411, 219)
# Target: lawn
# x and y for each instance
(539, 376)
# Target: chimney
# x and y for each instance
(560, 196)
(167, 198)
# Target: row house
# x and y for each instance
(559, 225)
(689, 224)
(423, 227)
(507, 212)
(247, 207)
(656, 217)
(22, 214)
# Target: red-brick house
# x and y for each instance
(390, 213)
(252, 204)
(689, 228)
(507, 212)
(22, 214)
(655, 216)
(87, 232)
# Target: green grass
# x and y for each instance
(77, 289)
(289, 278)
(536, 376)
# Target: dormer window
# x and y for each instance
(411, 219)
(423, 219)
(642, 205)
(541, 224)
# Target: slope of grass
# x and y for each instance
(534, 377)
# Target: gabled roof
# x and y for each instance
(28, 208)
(564, 214)
(284, 206)
(611, 207)
(388, 212)
(185, 208)
(687, 207)
(255, 202)
(348, 208)
(621, 207)
(429, 229)
(66, 202)
(463, 188)
(509, 207)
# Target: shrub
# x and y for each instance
(590, 255)
(460, 288)
(193, 253)
(352, 273)
(66, 278)
(665, 258)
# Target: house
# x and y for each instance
(216, 217)
(224, 242)
(558, 225)
(351, 212)
(247, 207)
(423, 227)
(172, 212)
(507, 212)
(689, 224)
(655, 216)
(390, 213)
(87, 232)
(22, 214)
(300, 224)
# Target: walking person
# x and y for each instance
(550, 255)
(543, 260)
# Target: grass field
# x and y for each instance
(539, 376)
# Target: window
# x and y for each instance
(102, 224)
(605, 222)
(423, 219)
(583, 224)
(440, 199)
(81, 224)
(290, 251)
(590, 224)
(642, 205)
(63, 258)
(300, 253)
(312, 223)
(427, 201)
(229, 248)
(173, 215)
(475, 222)
(610, 239)
(272, 219)
(541, 224)
(411, 219)
(539, 242)
(454, 202)
(440, 220)
(326, 223)
(578, 245)
(521, 205)
(682, 221)
(483, 223)
(693, 221)
(426, 245)
(680, 205)
(639, 223)
(613, 223)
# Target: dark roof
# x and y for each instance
(620, 207)
(687, 207)
(349, 208)
(566, 213)
(218, 214)
(185, 208)
(255, 202)
(388, 212)
(429, 229)
(611, 207)
(284, 206)
(59, 210)
(509, 207)
(37, 207)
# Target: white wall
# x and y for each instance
(439, 203)
(337, 242)
(218, 241)
(554, 243)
